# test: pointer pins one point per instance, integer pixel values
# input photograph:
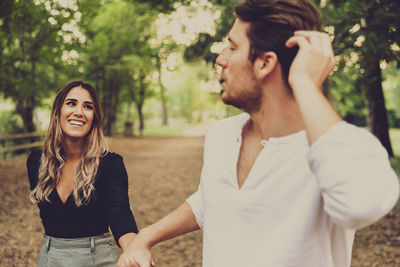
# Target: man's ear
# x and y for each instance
(265, 64)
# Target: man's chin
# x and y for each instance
(224, 97)
(228, 100)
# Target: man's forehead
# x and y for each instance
(238, 31)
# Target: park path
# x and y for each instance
(163, 172)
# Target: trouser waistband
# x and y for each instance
(82, 242)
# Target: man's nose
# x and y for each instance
(222, 60)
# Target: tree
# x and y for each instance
(31, 47)
(119, 30)
(161, 52)
(366, 34)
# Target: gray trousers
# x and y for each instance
(93, 251)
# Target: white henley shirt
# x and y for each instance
(299, 206)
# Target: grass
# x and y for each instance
(170, 130)
(396, 165)
(395, 139)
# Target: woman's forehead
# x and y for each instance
(79, 93)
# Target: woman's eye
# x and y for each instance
(70, 103)
(89, 107)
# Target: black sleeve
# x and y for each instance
(118, 210)
(32, 165)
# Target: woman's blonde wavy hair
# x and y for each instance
(53, 156)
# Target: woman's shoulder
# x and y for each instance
(111, 158)
(32, 165)
(34, 158)
(111, 165)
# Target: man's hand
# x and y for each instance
(314, 60)
(312, 64)
(178, 222)
(137, 254)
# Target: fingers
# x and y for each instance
(128, 262)
(314, 59)
(303, 38)
(319, 42)
(297, 40)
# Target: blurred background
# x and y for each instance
(153, 63)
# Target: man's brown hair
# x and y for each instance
(272, 23)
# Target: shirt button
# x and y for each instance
(263, 142)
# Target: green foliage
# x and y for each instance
(395, 137)
(118, 56)
(366, 34)
(163, 6)
(349, 98)
(31, 46)
(171, 130)
(201, 49)
(391, 86)
(10, 123)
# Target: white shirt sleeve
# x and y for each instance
(195, 201)
(353, 170)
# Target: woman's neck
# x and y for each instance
(73, 148)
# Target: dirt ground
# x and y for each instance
(163, 172)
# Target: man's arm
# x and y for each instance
(312, 64)
(178, 222)
(352, 168)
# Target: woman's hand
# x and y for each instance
(136, 254)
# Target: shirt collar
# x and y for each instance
(287, 139)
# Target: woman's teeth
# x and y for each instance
(76, 123)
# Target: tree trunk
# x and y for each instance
(25, 108)
(110, 102)
(141, 118)
(164, 108)
(106, 103)
(377, 116)
(139, 103)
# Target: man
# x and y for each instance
(286, 183)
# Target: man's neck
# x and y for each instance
(277, 117)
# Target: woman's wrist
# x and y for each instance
(146, 237)
(126, 239)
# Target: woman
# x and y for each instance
(80, 188)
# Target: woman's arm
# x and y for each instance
(120, 217)
(126, 239)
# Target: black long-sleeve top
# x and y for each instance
(110, 207)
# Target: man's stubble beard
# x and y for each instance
(248, 99)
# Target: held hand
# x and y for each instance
(136, 255)
(314, 60)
